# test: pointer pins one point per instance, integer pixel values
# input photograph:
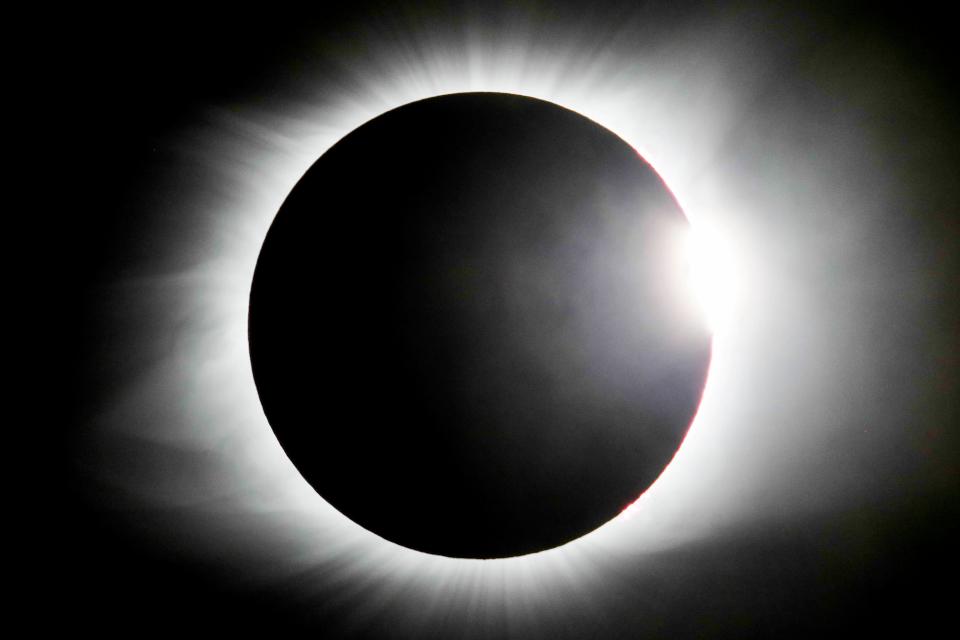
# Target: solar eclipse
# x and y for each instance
(813, 151)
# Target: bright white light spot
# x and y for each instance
(711, 275)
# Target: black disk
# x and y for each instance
(467, 330)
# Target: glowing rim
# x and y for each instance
(707, 279)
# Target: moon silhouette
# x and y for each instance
(466, 328)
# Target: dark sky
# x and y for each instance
(833, 534)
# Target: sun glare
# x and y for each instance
(710, 275)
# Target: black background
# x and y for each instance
(113, 86)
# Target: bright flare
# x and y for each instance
(710, 275)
